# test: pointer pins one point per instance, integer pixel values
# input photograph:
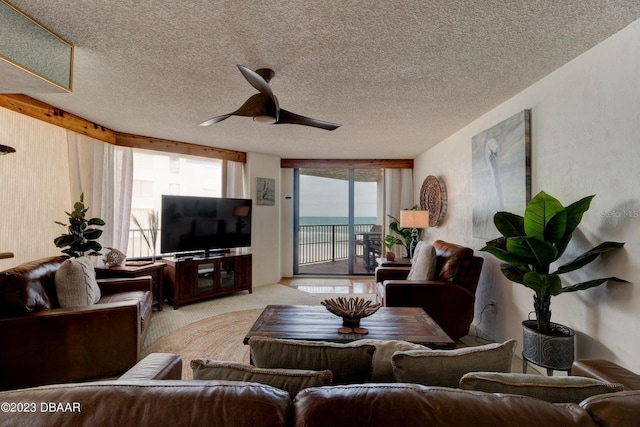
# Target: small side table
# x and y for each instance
(155, 270)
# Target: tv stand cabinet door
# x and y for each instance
(244, 276)
(235, 274)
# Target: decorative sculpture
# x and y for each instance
(351, 310)
(114, 257)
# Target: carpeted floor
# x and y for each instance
(168, 319)
(215, 328)
(217, 338)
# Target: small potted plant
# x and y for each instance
(528, 247)
(82, 236)
(389, 243)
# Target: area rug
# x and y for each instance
(217, 337)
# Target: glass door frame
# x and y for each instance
(350, 226)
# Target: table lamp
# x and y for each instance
(414, 219)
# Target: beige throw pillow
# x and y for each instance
(423, 265)
(291, 380)
(349, 363)
(551, 389)
(446, 367)
(76, 283)
(382, 369)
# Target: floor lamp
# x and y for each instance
(414, 219)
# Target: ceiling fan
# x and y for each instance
(264, 107)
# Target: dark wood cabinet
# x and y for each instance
(197, 279)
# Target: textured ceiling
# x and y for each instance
(400, 76)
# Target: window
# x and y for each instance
(155, 174)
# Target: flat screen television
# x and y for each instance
(192, 224)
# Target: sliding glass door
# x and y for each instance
(337, 221)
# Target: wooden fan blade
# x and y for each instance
(260, 83)
(296, 119)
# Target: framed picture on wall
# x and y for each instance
(501, 172)
(265, 191)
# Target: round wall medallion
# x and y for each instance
(433, 198)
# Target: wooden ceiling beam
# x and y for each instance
(39, 110)
(348, 164)
(168, 146)
(31, 107)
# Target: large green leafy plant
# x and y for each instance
(530, 244)
(82, 236)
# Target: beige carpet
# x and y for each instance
(168, 320)
(218, 338)
(215, 328)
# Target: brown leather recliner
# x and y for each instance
(43, 343)
(449, 299)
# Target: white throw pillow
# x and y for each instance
(76, 283)
(423, 265)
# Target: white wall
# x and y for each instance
(585, 126)
(265, 220)
(34, 187)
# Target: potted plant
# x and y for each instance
(528, 247)
(389, 242)
(399, 236)
(150, 233)
(82, 236)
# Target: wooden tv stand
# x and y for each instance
(196, 279)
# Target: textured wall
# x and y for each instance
(34, 187)
(585, 125)
(265, 229)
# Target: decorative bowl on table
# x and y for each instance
(351, 310)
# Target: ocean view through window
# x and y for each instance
(338, 217)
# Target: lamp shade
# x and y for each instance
(414, 219)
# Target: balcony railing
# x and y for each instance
(324, 243)
(138, 247)
(317, 243)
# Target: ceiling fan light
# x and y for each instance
(265, 119)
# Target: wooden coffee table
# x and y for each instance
(315, 323)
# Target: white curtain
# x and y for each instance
(235, 180)
(104, 173)
(398, 195)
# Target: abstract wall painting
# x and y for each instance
(501, 172)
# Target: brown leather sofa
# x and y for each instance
(607, 371)
(152, 394)
(45, 344)
(449, 299)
